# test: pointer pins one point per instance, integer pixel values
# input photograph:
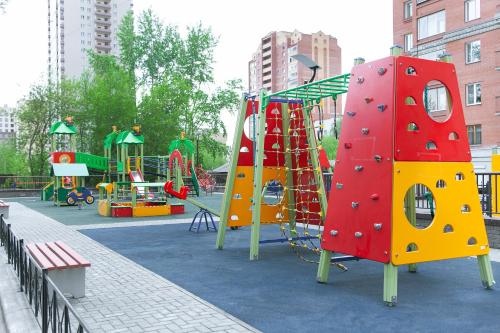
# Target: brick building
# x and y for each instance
(273, 69)
(470, 31)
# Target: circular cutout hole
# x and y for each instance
(273, 195)
(453, 136)
(234, 218)
(431, 145)
(437, 101)
(465, 208)
(440, 184)
(244, 149)
(448, 228)
(410, 101)
(248, 127)
(472, 241)
(412, 127)
(423, 200)
(411, 71)
(412, 247)
(459, 176)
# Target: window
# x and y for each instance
(473, 52)
(473, 93)
(408, 9)
(435, 99)
(431, 25)
(472, 10)
(474, 134)
(408, 42)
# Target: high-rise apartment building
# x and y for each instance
(8, 123)
(470, 32)
(273, 69)
(75, 26)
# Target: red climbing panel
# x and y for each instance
(358, 220)
(449, 137)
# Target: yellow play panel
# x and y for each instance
(240, 213)
(457, 229)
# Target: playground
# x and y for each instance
(395, 238)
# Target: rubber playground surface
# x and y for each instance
(71, 215)
(278, 293)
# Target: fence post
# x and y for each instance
(9, 244)
(45, 305)
(21, 264)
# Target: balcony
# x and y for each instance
(103, 47)
(102, 5)
(102, 31)
(105, 39)
(102, 14)
(103, 22)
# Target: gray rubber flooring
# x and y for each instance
(278, 293)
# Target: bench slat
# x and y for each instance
(51, 256)
(83, 262)
(39, 257)
(70, 262)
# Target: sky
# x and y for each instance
(363, 28)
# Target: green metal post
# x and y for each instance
(233, 162)
(324, 266)
(313, 151)
(134, 196)
(257, 178)
(285, 116)
(396, 50)
(142, 159)
(390, 284)
(485, 271)
(411, 214)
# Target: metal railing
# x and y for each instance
(488, 188)
(52, 310)
(23, 183)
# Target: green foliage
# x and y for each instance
(162, 81)
(330, 145)
(13, 161)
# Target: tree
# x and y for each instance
(13, 161)
(36, 116)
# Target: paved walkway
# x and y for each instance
(122, 296)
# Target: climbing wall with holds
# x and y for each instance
(359, 209)
(391, 142)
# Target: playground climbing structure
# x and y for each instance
(389, 144)
(275, 174)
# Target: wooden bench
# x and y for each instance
(4, 209)
(65, 267)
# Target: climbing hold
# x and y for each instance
(334, 232)
(339, 186)
(350, 113)
(358, 168)
(361, 79)
(377, 226)
(381, 107)
(355, 204)
(368, 99)
(358, 234)
(381, 70)
(347, 145)
(378, 158)
(365, 131)
(374, 196)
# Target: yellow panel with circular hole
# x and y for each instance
(495, 183)
(457, 229)
(240, 213)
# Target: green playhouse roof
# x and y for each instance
(176, 144)
(129, 137)
(61, 127)
(110, 138)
